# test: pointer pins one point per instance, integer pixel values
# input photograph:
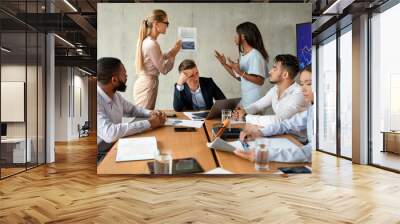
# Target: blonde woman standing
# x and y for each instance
(150, 61)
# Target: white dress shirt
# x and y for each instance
(290, 103)
(109, 117)
(197, 98)
(299, 122)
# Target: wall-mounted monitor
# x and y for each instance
(304, 44)
(12, 101)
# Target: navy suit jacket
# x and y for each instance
(209, 90)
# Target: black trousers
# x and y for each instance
(102, 150)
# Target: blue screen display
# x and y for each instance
(304, 44)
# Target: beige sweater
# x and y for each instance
(155, 62)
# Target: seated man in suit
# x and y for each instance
(193, 92)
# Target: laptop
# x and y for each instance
(216, 109)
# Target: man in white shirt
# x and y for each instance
(111, 107)
(301, 121)
(285, 97)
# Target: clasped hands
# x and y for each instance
(157, 118)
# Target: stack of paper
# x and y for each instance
(184, 123)
(129, 149)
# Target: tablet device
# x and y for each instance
(181, 166)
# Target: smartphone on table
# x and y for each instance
(184, 129)
(297, 169)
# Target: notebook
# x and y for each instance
(129, 149)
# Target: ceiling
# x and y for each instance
(332, 15)
(76, 22)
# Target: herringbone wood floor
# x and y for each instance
(69, 191)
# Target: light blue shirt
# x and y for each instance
(197, 98)
(252, 63)
(299, 122)
(109, 117)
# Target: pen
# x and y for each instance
(245, 145)
(222, 129)
(177, 122)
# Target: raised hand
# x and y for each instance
(177, 47)
(221, 58)
(235, 66)
(184, 76)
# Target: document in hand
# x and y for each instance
(129, 149)
(272, 144)
(222, 145)
(184, 123)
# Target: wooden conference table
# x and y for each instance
(189, 144)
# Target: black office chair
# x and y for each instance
(84, 130)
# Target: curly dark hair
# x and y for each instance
(290, 63)
(106, 68)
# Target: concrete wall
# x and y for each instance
(118, 26)
(71, 102)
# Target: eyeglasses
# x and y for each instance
(166, 23)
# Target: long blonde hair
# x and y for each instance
(144, 30)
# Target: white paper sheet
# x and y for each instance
(188, 36)
(218, 171)
(129, 149)
(184, 123)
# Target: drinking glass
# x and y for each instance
(261, 154)
(163, 163)
(226, 114)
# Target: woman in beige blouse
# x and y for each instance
(150, 61)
